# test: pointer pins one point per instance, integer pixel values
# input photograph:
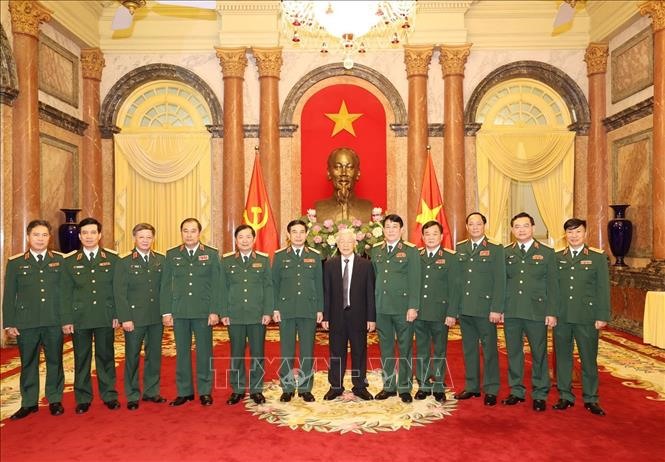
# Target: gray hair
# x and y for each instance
(342, 233)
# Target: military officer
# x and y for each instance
(88, 311)
(480, 303)
(247, 281)
(532, 301)
(585, 309)
(437, 312)
(136, 285)
(190, 302)
(397, 267)
(30, 310)
(298, 287)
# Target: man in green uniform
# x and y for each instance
(481, 298)
(190, 302)
(397, 268)
(298, 287)
(249, 301)
(437, 313)
(585, 309)
(87, 312)
(30, 310)
(532, 301)
(136, 286)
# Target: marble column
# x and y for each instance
(26, 16)
(233, 62)
(92, 64)
(417, 59)
(269, 63)
(597, 161)
(452, 60)
(656, 9)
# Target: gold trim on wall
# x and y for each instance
(57, 66)
(627, 76)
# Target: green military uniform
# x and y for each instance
(88, 304)
(190, 292)
(136, 285)
(585, 299)
(31, 304)
(482, 290)
(532, 293)
(397, 290)
(249, 297)
(439, 274)
(298, 288)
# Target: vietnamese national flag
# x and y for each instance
(430, 207)
(258, 213)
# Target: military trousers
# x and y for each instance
(240, 335)
(30, 341)
(104, 363)
(431, 346)
(586, 338)
(515, 330)
(391, 328)
(477, 332)
(183, 328)
(150, 338)
(305, 329)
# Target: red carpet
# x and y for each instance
(632, 430)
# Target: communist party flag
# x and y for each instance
(431, 207)
(258, 213)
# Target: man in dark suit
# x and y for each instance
(349, 312)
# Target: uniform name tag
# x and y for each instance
(441, 261)
(105, 263)
(257, 265)
(401, 254)
(78, 267)
(54, 264)
(203, 257)
(308, 260)
(586, 262)
(537, 257)
(135, 266)
(484, 253)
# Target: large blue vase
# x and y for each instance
(620, 232)
(69, 231)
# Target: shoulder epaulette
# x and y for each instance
(281, 250)
(594, 249)
(378, 243)
(263, 254)
(421, 249)
(114, 252)
(316, 251)
(174, 247)
(73, 252)
(492, 241)
(126, 254)
(512, 244)
(462, 242)
(211, 248)
(451, 251)
(14, 257)
(57, 253)
(560, 249)
(546, 245)
(228, 254)
(159, 253)
(410, 244)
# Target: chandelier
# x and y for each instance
(352, 26)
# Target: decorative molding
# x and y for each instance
(400, 130)
(217, 131)
(377, 79)
(61, 119)
(287, 130)
(453, 58)
(58, 71)
(596, 58)
(8, 77)
(107, 132)
(655, 9)
(268, 61)
(470, 129)
(254, 7)
(233, 61)
(630, 114)
(435, 130)
(92, 63)
(27, 15)
(649, 278)
(580, 128)
(417, 59)
(250, 130)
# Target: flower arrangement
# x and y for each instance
(322, 236)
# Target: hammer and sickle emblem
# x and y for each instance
(256, 212)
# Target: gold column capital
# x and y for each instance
(233, 61)
(27, 15)
(655, 9)
(453, 58)
(417, 59)
(269, 61)
(596, 58)
(92, 63)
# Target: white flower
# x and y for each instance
(376, 211)
(377, 232)
(331, 240)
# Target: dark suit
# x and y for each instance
(350, 325)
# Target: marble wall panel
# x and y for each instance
(66, 45)
(632, 66)
(579, 182)
(6, 118)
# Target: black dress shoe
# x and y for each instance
(490, 400)
(383, 394)
(180, 400)
(307, 396)
(332, 394)
(563, 404)
(363, 394)
(286, 396)
(132, 405)
(512, 400)
(24, 412)
(206, 400)
(154, 399)
(56, 408)
(422, 394)
(235, 398)
(406, 397)
(82, 408)
(258, 398)
(440, 396)
(539, 405)
(594, 408)
(112, 405)
(467, 394)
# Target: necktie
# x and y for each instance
(430, 254)
(345, 283)
(40, 258)
(575, 252)
(390, 248)
(474, 247)
(244, 258)
(91, 256)
(523, 248)
(145, 258)
(191, 252)
(298, 253)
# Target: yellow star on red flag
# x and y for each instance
(343, 120)
(427, 214)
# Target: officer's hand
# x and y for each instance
(411, 314)
(167, 320)
(128, 326)
(495, 317)
(68, 329)
(450, 321)
(265, 320)
(12, 332)
(276, 316)
(319, 316)
(116, 323)
(550, 321)
(325, 325)
(213, 319)
(371, 326)
(226, 321)
(600, 324)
